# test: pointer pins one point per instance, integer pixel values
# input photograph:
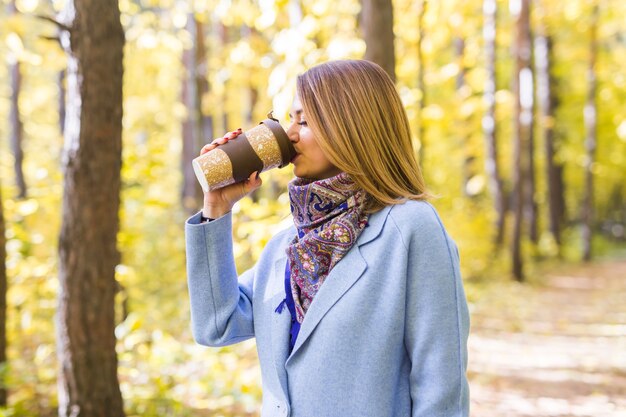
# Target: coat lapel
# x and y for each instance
(343, 276)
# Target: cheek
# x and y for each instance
(318, 158)
(311, 144)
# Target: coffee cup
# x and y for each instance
(261, 148)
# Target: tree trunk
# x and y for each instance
(528, 91)
(16, 125)
(61, 89)
(377, 24)
(421, 85)
(467, 172)
(92, 159)
(253, 96)
(223, 36)
(195, 86)
(591, 122)
(527, 99)
(3, 300)
(17, 128)
(489, 120)
(530, 204)
(523, 91)
(547, 107)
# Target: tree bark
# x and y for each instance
(195, 86)
(92, 159)
(527, 100)
(377, 25)
(530, 204)
(489, 120)
(253, 98)
(591, 122)
(17, 130)
(61, 90)
(547, 106)
(522, 88)
(467, 171)
(17, 127)
(3, 299)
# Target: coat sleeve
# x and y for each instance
(221, 302)
(437, 323)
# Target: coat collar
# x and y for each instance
(340, 279)
(374, 226)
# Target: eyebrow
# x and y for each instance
(298, 113)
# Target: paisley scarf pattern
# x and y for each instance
(329, 217)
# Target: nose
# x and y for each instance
(292, 132)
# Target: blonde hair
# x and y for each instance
(356, 114)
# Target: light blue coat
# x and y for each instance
(385, 335)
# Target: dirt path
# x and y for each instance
(554, 349)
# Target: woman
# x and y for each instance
(359, 309)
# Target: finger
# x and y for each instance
(232, 135)
(207, 148)
(214, 143)
(237, 191)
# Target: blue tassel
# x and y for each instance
(280, 307)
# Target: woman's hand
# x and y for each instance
(221, 201)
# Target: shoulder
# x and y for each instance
(422, 230)
(417, 222)
(415, 215)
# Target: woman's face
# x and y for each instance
(310, 162)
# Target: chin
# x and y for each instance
(300, 172)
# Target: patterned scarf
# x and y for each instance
(329, 217)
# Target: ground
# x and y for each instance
(556, 347)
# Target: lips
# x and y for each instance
(295, 157)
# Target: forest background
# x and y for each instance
(551, 120)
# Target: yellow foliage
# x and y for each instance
(258, 48)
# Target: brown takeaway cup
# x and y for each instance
(261, 148)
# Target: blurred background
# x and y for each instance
(518, 114)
